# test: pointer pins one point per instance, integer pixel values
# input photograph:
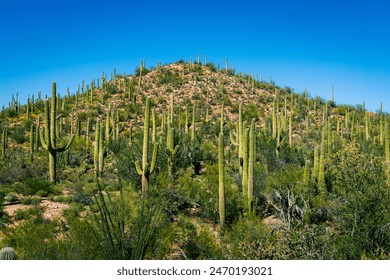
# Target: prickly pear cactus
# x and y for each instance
(7, 253)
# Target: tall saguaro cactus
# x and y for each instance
(147, 167)
(251, 163)
(49, 139)
(221, 178)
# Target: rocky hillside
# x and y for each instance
(187, 161)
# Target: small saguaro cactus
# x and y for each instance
(321, 171)
(4, 143)
(147, 167)
(251, 163)
(32, 142)
(7, 253)
(99, 150)
(221, 178)
(172, 149)
(49, 140)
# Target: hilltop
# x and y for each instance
(186, 160)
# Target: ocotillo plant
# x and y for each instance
(221, 178)
(147, 167)
(48, 137)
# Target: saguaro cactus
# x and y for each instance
(251, 163)
(221, 178)
(321, 172)
(4, 143)
(147, 167)
(99, 150)
(49, 140)
(172, 149)
(32, 142)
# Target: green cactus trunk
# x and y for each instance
(245, 166)
(147, 168)
(96, 148)
(221, 179)
(32, 143)
(306, 173)
(321, 172)
(4, 144)
(251, 163)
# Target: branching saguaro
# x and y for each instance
(49, 139)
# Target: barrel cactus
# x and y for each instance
(7, 253)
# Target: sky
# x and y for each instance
(301, 44)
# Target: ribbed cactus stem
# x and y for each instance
(221, 179)
(193, 123)
(387, 142)
(329, 138)
(222, 117)
(321, 171)
(7, 253)
(147, 167)
(187, 119)
(306, 173)
(251, 163)
(367, 126)
(240, 136)
(87, 134)
(245, 166)
(36, 141)
(315, 163)
(32, 136)
(96, 148)
(274, 120)
(101, 152)
(153, 126)
(4, 143)
(108, 120)
(48, 138)
(290, 129)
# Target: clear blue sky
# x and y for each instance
(313, 44)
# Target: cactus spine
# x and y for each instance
(147, 168)
(48, 137)
(7, 253)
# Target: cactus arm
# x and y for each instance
(154, 157)
(63, 149)
(138, 168)
(43, 141)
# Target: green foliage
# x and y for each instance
(363, 203)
